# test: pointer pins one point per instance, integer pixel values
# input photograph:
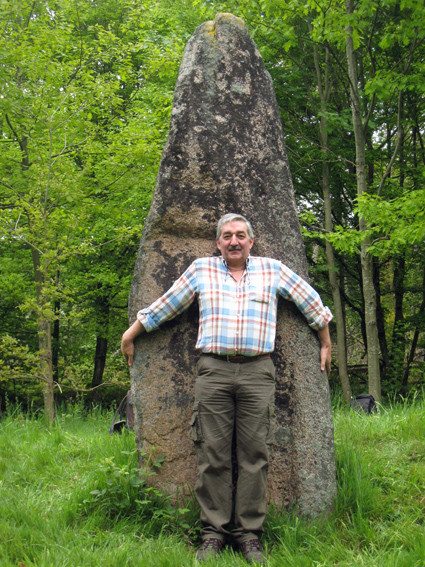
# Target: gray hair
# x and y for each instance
(230, 217)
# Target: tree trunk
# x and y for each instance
(55, 336)
(366, 260)
(341, 345)
(380, 317)
(44, 331)
(99, 360)
(102, 316)
(416, 129)
(45, 347)
(374, 378)
(398, 339)
(414, 344)
(323, 87)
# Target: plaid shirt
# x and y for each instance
(236, 317)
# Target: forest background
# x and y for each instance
(86, 90)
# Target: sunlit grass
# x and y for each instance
(71, 495)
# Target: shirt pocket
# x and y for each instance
(259, 298)
(260, 294)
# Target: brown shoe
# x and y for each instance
(209, 548)
(253, 551)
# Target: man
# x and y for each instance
(234, 390)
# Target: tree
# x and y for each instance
(324, 89)
(366, 259)
(69, 132)
(39, 109)
(86, 92)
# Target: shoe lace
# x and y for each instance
(252, 545)
(212, 543)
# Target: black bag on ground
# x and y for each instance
(125, 413)
(364, 403)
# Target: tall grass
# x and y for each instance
(71, 495)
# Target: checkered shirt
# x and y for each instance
(236, 317)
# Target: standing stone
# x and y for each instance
(225, 153)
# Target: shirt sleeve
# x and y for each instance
(296, 289)
(174, 301)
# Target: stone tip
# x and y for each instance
(223, 18)
(226, 17)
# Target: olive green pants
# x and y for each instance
(233, 399)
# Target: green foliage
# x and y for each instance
(85, 100)
(397, 224)
(86, 92)
(392, 225)
(19, 372)
(121, 490)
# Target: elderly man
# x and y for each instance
(234, 391)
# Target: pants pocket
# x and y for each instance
(195, 425)
(271, 425)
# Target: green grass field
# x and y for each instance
(70, 495)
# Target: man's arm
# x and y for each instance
(127, 341)
(296, 289)
(178, 298)
(325, 349)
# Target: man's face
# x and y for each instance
(234, 243)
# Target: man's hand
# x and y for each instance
(127, 341)
(325, 349)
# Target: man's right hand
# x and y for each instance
(127, 341)
(325, 349)
(127, 348)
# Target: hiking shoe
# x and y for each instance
(209, 548)
(253, 551)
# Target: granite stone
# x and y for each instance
(225, 152)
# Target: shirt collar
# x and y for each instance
(227, 271)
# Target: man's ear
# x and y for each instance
(251, 243)
(218, 243)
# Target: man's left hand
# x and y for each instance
(325, 349)
(325, 358)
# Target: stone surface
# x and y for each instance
(225, 153)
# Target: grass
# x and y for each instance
(71, 495)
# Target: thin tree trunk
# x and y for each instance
(99, 361)
(45, 347)
(55, 336)
(414, 344)
(330, 256)
(380, 317)
(416, 138)
(366, 259)
(44, 331)
(340, 325)
(103, 309)
(398, 339)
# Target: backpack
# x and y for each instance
(126, 415)
(364, 403)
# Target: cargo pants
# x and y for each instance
(232, 398)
